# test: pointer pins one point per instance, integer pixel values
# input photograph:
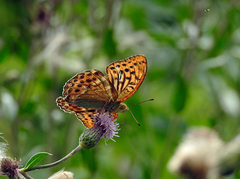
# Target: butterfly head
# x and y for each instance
(123, 108)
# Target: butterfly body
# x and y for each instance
(90, 92)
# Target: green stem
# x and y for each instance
(26, 176)
(54, 163)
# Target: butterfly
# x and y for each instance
(91, 91)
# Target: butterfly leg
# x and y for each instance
(115, 116)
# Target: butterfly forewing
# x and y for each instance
(127, 75)
(90, 85)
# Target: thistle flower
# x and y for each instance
(229, 159)
(110, 125)
(62, 175)
(105, 127)
(9, 167)
(197, 155)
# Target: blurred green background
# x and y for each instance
(193, 75)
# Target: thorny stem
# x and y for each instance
(54, 163)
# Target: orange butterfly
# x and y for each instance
(91, 90)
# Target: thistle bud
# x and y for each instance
(104, 126)
(89, 138)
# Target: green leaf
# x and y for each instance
(4, 53)
(180, 95)
(35, 159)
(109, 44)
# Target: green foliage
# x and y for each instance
(35, 159)
(193, 75)
(180, 95)
(109, 44)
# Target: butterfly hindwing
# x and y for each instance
(86, 115)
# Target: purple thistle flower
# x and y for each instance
(110, 125)
(9, 167)
(105, 127)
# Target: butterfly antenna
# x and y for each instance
(134, 118)
(141, 102)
